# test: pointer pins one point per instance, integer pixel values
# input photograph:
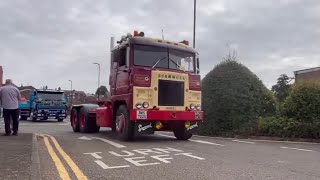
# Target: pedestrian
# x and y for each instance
(9, 97)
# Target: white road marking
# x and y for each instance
(298, 149)
(136, 162)
(166, 136)
(95, 155)
(104, 140)
(206, 142)
(198, 141)
(84, 138)
(259, 140)
(240, 141)
(110, 142)
(282, 162)
(190, 155)
(104, 166)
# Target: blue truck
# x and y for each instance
(44, 104)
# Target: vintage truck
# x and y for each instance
(155, 85)
(44, 104)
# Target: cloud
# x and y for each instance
(50, 42)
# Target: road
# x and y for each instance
(65, 154)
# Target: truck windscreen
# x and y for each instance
(51, 96)
(152, 56)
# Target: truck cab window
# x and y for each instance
(119, 56)
(122, 56)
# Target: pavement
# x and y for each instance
(63, 154)
(16, 156)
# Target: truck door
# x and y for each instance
(121, 72)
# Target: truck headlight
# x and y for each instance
(145, 105)
(198, 107)
(63, 111)
(139, 105)
(192, 107)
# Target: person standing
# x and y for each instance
(9, 97)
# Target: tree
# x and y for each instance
(233, 98)
(282, 88)
(103, 91)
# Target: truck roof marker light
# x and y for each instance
(135, 33)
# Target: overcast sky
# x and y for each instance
(48, 42)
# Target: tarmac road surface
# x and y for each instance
(63, 154)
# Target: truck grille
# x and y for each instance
(171, 93)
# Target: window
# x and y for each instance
(150, 55)
(119, 56)
(161, 57)
(181, 60)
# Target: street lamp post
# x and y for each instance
(194, 23)
(71, 92)
(98, 80)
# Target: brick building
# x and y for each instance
(312, 74)
(78, 96)
(26, 91)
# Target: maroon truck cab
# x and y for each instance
(155, 86)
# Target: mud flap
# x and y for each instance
(194, 126)
(142, 127)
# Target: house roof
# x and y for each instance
(307, 70)
(26, 87)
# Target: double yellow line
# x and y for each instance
(59, 165)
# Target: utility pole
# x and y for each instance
(98, 80)
(194, 22)
(162, 34)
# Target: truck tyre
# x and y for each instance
(124, 127)
(181, 133)
(87, 124)
(74, 119)
(33, 116)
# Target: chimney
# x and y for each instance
(1, 76)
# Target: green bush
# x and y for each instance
(303, 103)
(233, 98)
(288, 127)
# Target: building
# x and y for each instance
(1, 76)
(312, 74)
(78, 96)
(91, 99)
(25, 91)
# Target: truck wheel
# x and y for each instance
(181, 133)
(87, 125)
(124, 127)
(33, 116)
(74, 119)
